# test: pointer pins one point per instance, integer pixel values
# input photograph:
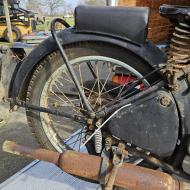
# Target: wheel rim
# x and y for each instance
(54, 93)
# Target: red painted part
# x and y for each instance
(125, 80)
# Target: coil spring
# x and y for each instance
(179, 52)
(98, 142)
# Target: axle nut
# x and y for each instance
(165, 101)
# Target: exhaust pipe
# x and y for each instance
(88, 167)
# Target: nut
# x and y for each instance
(89, 121)
(165, 101)
(98, 124)
(91, 127)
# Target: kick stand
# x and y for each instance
(119, 154)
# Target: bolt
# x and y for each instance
(98, 124)
(91, 127)
(89, 121)
(165, 101)
(55, 104)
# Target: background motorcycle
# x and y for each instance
(113, 87)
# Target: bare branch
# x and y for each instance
(51, 5)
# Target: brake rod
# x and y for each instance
(20, 103)
(130, 100)
(82, 119)
(113, 102)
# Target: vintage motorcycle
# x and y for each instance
(101, 87)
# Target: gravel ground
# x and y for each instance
(16, 129)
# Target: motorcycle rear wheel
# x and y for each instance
(43, 127)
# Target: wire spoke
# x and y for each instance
(71, 103)
(124, 85)
(75, 142)
(82, 85)
(99, 96)
(119, 97)
(68, 79)
(73, 136)
(92, 90)
(61, 103)
(87, 89)
(115, 88)
(78, 139)
(97, 71)
(95, 78)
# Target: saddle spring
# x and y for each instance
(179, 50)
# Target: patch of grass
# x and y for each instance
(4, 43)
(46, 25)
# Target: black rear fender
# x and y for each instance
(147, 52)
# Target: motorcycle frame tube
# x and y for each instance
(148, 52)
(67, 62)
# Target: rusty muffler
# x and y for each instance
(88, 167)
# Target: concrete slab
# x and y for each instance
(21, 173)
(17, 130)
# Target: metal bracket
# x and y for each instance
(119, 154)
(103, 170)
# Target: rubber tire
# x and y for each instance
(16, 31)
(48, 65)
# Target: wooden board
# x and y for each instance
(159, 27)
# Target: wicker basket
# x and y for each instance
(160, 28)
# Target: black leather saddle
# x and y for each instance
(120, 22)
(181, 13)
